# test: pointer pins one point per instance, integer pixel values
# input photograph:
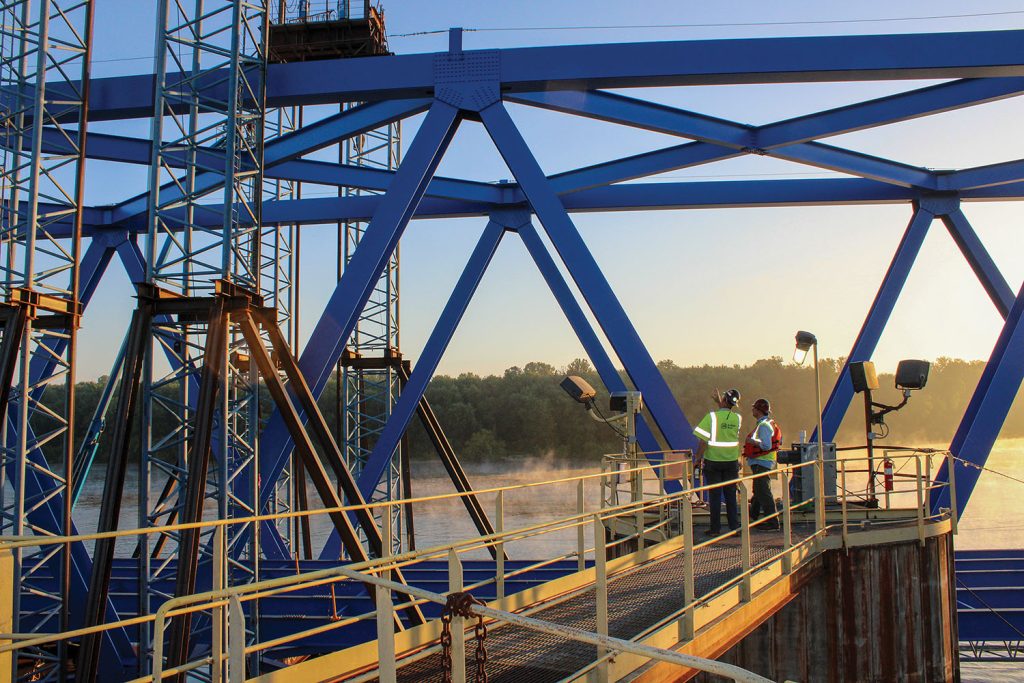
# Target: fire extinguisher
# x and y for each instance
(887, 471)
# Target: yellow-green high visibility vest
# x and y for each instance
(720, 429)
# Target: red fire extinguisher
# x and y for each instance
(887, 471)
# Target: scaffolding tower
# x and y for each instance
(44, 73)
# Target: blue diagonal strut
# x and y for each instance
(424, 369)
(588, 338)
(877, 317)
(987, 410)
(981, 263)
(588, 278)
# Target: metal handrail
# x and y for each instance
(382, 566)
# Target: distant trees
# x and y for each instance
(523, 412)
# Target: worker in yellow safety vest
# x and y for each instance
(719, 449)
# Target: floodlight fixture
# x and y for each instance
(804, 342)
(912, 375)
(579, 390)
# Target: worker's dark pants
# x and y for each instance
(716, 472)
(763, 503)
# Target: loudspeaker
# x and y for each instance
(864, 376)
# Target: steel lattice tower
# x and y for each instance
(44, 68)
(207, 152)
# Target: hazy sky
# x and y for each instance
(702, 286)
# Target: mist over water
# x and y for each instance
(991, 519)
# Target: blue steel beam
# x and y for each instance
(584, 332)
(361, 274)
(983, 176)
(640, 165)
(990, 54)
(627, 197)
(872, 113)
(981, 263)
(588, 277)
(426, 364)
(307, 139)
(877, 317)
(660, 118)
(632, 197)
(891, 109)
(987, 410)
(137, 151)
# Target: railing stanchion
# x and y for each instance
(217, 649)
(951, 474)
(641, 525)
(687, 623)
(819, 497)
(604, 484)
(581, 531)
(928, 482)
(386, 537)
(499, 550)
(7, 583)
(888, 505)
(236, 641)
(386, 667)
(920, 501)
(787, 522)
(458, 626)
(744, 541)
(842, 483)
(601, 592)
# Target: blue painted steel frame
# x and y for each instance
(990, 66)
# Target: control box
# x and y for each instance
(801, 486)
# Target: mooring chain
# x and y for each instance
(459, 605)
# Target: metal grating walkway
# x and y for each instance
(638, 598)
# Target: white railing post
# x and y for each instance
(499, 547)
(687, 623)
(604, 485)
(950, 472)
(236, 641)
(920, 502)
(386, 538)
(458, 626)
(819, 495)
(601, 593)
(787, 521)
(842, 481)
(928, 484)
(386, 667)
(218, 649)
(640, 520)
(744, 541)
(581, 531)
(7, 659)
(158, 646)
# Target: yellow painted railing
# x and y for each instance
(652, 521)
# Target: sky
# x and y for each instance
(701, 286)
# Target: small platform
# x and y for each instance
(327, 36)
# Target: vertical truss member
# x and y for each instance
(210, 93)
(44, 73)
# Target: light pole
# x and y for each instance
(806, 341)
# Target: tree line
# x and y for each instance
(523, 412)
